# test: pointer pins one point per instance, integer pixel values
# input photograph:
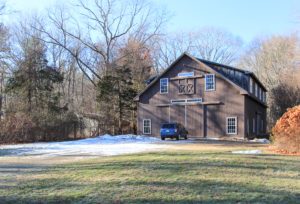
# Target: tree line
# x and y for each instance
(92, 57)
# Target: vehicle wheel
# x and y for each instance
(162, 138)
(185, 137)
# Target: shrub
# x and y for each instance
(286, 132)
(17, 128)
(39, 126)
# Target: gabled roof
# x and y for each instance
(245, 72)
(207, 64)
(148, 81)
(159, 76)
(221, 65)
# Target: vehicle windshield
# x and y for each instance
(168, 126)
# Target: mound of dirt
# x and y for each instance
(286, 132)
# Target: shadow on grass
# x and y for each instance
(161, 177)
(229, 143)
(139, 191)
(179, 161)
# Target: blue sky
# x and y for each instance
(245, 18)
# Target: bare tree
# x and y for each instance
(216, 45)
(284, 95)
(207, 43)
(102, 27)
(2, 7)
(137, 56)
(275, 61)
(169, 47)
(269, 58)
(4, 57)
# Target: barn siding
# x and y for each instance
(233, 104)
(252, 109)
(194, 121)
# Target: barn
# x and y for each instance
(210, 99)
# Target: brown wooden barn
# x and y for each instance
(209, 99)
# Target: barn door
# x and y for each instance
(177, 114)
(258, 124)
(194, 120)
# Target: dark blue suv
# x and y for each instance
(173, 130)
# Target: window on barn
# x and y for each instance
(251, 85)
(186, 74)
(256, 90)
(194, 100)
(209, 82)
(231, 126)
(164, 85)
(147, 126)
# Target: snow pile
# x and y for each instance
(248, 152)
(261, 141)
(106, 145)
(213, 138)
(108, 139)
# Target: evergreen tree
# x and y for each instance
(116, 93)
(34, 80)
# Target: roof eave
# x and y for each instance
(137, 98)
(257, 80)
(242, 91)
(255, 99)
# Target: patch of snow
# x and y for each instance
(213, 138)
(261, 141)
(248, 152)
(105, 145)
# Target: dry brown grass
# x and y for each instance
(219, 145)
(202, 172)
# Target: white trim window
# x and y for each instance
(259, 95)
(264, 96)
(256, 90)
(186, 74)
(147, 126)
(253, 125)
(231, 125)
(251, 85)
(191, 100)
(164, 85)
(209, 82)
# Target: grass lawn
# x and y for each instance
(185, 174)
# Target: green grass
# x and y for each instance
(162, 177)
